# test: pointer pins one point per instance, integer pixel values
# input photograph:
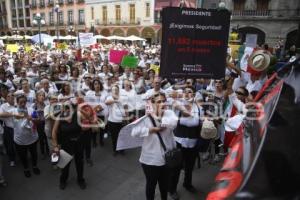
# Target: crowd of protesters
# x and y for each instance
(49, 97)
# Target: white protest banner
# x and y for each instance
(251, 40)
(86, 39)
(125, 140)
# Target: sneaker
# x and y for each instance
(190, 188)
(82, 184)
(12, 163)
(205, 156)
(27, 173)
(105, 135)
(174, 196)
(62, 185)
(89, 162)
(36, 171)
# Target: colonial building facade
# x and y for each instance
(122, 18)
(271, 20)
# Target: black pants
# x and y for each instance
(114, 129)
(22, 152)
(87, 135)
(189, 158)
(76, 149)
(42, 138)
(8, 140)
(101, 133)
(154, 175)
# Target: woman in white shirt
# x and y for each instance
(25, 136)
(152, 156)
(130, 96)
(187, 134)
(116, 116)
(97, 97)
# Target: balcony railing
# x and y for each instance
(121, 22)
(279, 13)
(254, 13)
(42, 5)
(50, 3)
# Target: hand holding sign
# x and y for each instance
(129, 61)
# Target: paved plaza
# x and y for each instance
(111, 178)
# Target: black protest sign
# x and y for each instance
(194, 42)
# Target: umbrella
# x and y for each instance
(100, 37)
(15, 37)
(3, 37)
(44, 37)
(27, 37)
(70, 37)
(134, 38)
(115, 37)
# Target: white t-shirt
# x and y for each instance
(152, 151)
(7, 108)
(24, 132)
(97, 99)
(129, 98)
(116, 111)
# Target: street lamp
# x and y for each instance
(72, 30)
(57, 19)
(38, 20)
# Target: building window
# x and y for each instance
(21, 23)
(21, 14)
(118, 14)
(92, 13)
(104, 14)
(42, 3)
(51, 18)
(70, 17)
(27, 10)
(262, 5)
(14, 24)
(238, 4)
(132, 13)
(60, 17)
(81, 17)
(28, 23)
(147, 9)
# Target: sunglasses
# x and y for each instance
(240, 93)
(218, 81)
(189, 91)
(161, 101)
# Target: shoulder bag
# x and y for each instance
(173, 157)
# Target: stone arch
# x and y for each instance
(105, 32)
(52, 32)
(133, 31)
(149, 34)
(8, 33)
(21, 33)
(118, 32)
(28, 33)
(62, 32)
(261, 35)
(2, 33)
(291, 39)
